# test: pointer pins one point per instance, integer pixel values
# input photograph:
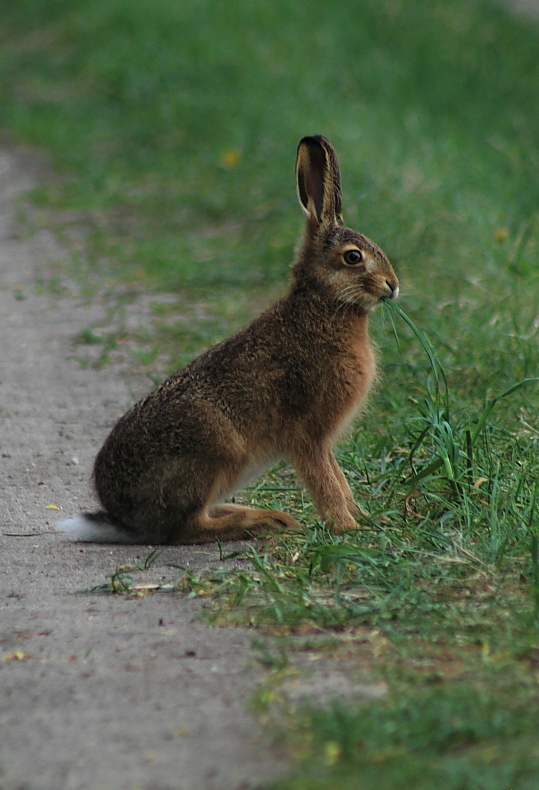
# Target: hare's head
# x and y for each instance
(345, 265)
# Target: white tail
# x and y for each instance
(86, 529)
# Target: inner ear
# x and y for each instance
(312, 175)
(317, 178)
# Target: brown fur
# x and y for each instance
(286, 386)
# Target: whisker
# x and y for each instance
(346, 299)
(349, 293)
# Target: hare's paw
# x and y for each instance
(234, 522)
(254, 518)
(358, 512)
(280, 520)
(257, 520)
(343, 522)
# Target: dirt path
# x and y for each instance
(97, 693)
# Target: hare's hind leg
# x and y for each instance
(199, 484)
(233, 522)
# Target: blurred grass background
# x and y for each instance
(180, 120)
(174, 128)
(171, 128)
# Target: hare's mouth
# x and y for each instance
(389, 290)
(392, 291)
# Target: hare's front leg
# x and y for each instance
(356, 510)
(327, 485)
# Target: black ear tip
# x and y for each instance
(315, 139)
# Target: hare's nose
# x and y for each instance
(394, 288)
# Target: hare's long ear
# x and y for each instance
(319, 181)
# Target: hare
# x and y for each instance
(284, 387)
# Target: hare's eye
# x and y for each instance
(353, 257)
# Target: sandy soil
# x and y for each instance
(97, 692)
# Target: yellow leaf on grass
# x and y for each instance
(332, 752)
(16, 655)
(230, 157)
(479, 482)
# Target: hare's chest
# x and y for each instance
(363, 360)
(356, 379)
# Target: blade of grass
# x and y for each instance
(437, 370)
(489, 408)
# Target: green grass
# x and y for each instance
(171, 129)
(175, 127)
(453, 737)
